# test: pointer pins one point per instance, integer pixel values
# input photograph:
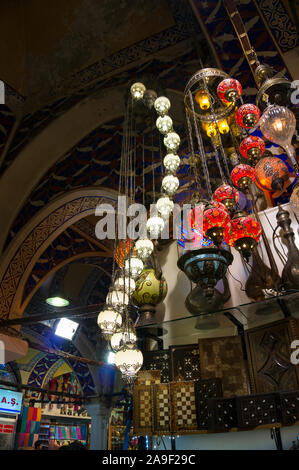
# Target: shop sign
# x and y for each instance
(10, 401)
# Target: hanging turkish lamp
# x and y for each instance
(117, 298)
(162, 105)
(229, 90)
(202, 99)
(252, 147)
(271, 173)
(226, 195)
(125, 283)
(223, 126)
(165, 206)
(215, 218)
(170, 184)
(123, 336)
(129, 360)
(164, 124)
(248, 115)
(109, 320)
(133, 266)
(172, 141)
(278, 125)
(155, 226)
(144, 248)
(171, 162)
(243, 233)
(137, 90)
(243, 176)
(211, 130)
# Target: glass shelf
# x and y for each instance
(225, 322)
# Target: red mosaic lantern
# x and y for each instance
(243, 233)
(227, 195)
(122, 250)
(215, 218)
(252, 147)
(271, 173)
(229, 90)
(248, 115)
(243, 176)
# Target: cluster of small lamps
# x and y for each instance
(128, 357)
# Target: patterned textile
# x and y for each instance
(257, 410)
(289, 404)
(158, 360)
(142, 409)
(222, 414)
(148, 377)
(185, 363)
(205, 389)
(223, 358)
(269, 352)
(183, 408)
(161, 406)
(30, 426)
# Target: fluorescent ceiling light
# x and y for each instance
(57, 301)
(66, 328)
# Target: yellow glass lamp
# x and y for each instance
(223, 126)
(211, 130)
(202, 99)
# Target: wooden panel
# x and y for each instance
(222, 414)
(142, 409)
(158, 360)
(257, 410)
(205, 389)
(289, 404)
(268, 349)
(162, 411)
(185, 363)
(223, 358)
(183, 408)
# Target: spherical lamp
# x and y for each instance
(155, 226)
(243, 176)
(202, 99)
(144, 248)
(133, 266)
(252, 147)
(172, 141)
(117, 298)
(248, 115)
(229, 90)
(137, 90)
(243, 233)
(164, 124)
(129, 360)
(162, 105)
(109, 320)
(164, 206)
(171, 162)
(170, 184)
(125, 283)
(215, 218)
(123, 336)
(226, 195)
(271, 173)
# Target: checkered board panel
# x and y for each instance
(223, 358)
(289, 404)
(257, 410)
(142, 409)
(183, 407)
(162, 420)
(222, 414)
(158, 360)
(185, 363)
(205, 389)
(148, 377)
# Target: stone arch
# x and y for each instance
(38, 233)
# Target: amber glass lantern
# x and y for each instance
(243, 176)
(243, 233)
(271, 173)
(215, 218)
(248, 115)
(202, 99)
(226, 195)
(252, 147)
(229, 90)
